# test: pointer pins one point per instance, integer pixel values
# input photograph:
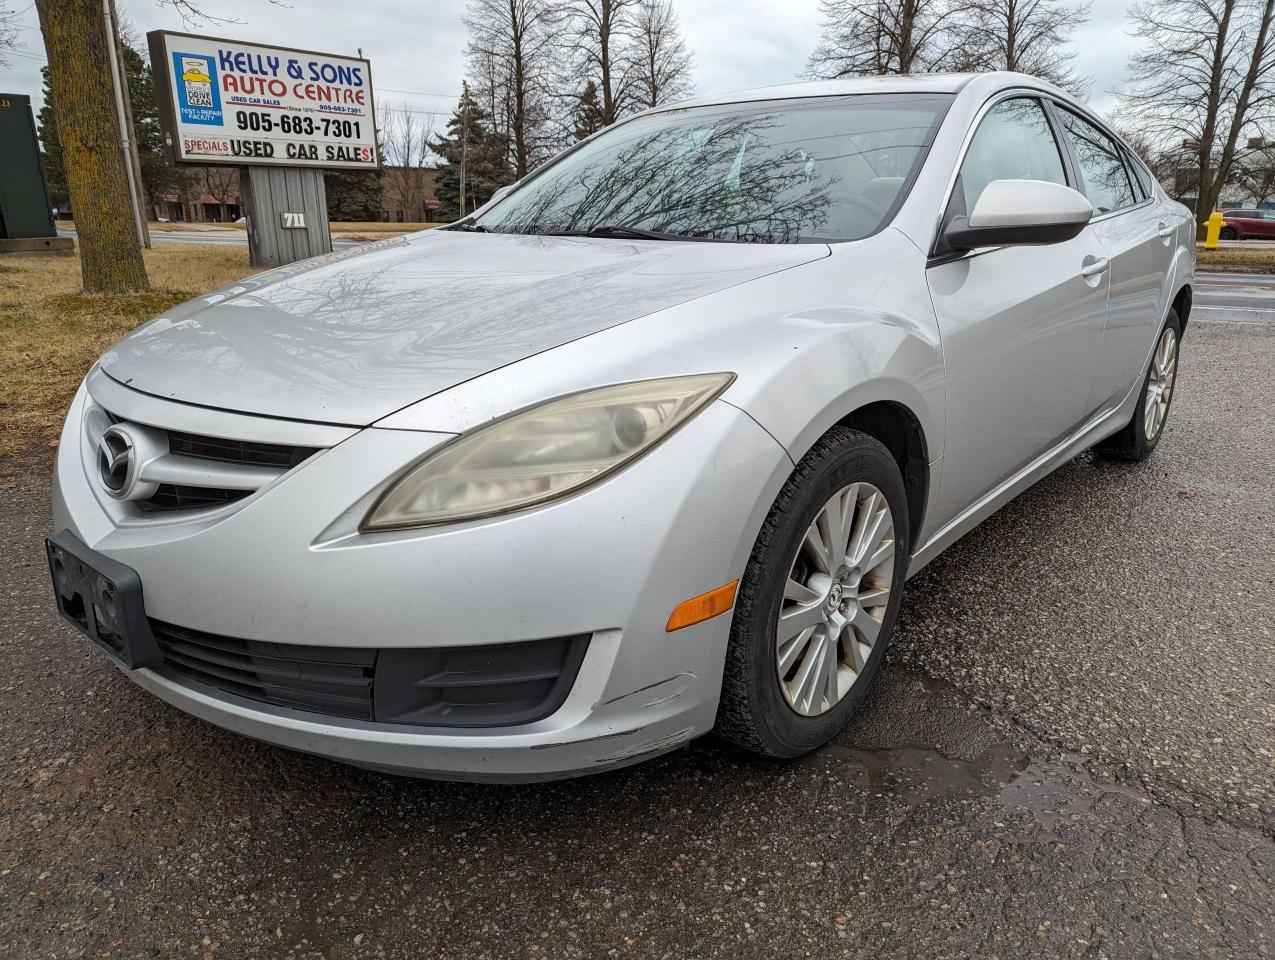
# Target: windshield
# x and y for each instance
(782, 171)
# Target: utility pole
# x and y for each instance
(130, 135)
(122, 115)
(464, 145)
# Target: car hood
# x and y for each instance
(351, 337)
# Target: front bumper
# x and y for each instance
(288, 565)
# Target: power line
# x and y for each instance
(28, 56)
(418, 93)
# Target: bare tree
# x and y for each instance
(1255, 174)
(662, 62)
(8, 32)
(868, 37)
(1203, 79)
(511, 59)
(597, 36)
(405, 137)
(222, 184)
(1029, 36)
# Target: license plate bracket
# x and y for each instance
(102, 598)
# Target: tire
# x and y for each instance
(1228, 233)
(1132, 442)
(755, 711)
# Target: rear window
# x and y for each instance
(1102, 169)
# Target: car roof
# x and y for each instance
(890, 83)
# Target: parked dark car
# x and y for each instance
(1248, 224)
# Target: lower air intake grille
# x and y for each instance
(172, 497)
(487, 685)
(332, 680)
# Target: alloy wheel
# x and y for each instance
(835, 599)
(1164, 369)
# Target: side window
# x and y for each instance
(1013, 142)
(1101, 167)
(1141, 175)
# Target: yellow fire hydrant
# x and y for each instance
(1213, 229)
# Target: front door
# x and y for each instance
(1021, 326)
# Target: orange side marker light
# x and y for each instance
(701, 608)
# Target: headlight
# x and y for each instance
(542, 453)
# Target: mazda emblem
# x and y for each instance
(115, 460)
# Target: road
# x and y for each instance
(218, 236)
(1068, 753)
(1235, 297)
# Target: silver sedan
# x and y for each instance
(643, 449)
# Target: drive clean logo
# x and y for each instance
(198, 99)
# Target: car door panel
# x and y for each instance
(1128, 226)
(1021, 325)
(1139, 263)
(1021, 330)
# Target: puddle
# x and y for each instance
(918, 741)
(1056, 794)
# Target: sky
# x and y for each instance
(417, 46)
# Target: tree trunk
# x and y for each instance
(77, 44)
(1210, 184)
(522, 159)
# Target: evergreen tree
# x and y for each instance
(475, 160)
(353, 194)
(54, 167)
(587, 116)
(159, 175)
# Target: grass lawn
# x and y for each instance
(50, 332)
(1237, 259)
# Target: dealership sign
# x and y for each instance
(225, 102)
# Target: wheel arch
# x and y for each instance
(1182, 304)
(899, 430)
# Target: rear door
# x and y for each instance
(1021, 325)
(1137, 238)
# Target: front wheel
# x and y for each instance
(818, 599)
(1228, 233)
(1141, 434)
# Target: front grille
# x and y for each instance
(171, 497)
(237, 451)
(474, 686)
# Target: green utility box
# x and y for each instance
(24, 200)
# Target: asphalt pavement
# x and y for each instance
(1235, 297)
(1068, 753)
(215, 235)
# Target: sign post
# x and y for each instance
(282, 115)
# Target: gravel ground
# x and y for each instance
(1068, 754)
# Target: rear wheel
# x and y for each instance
(1228, 233)
(818, 600)
(1141, 434)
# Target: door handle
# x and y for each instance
(1167, 230)
(1095, 268)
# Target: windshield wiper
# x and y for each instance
(468, 226)
(632, 233)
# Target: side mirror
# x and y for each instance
(502, 193)
(1013, 212)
